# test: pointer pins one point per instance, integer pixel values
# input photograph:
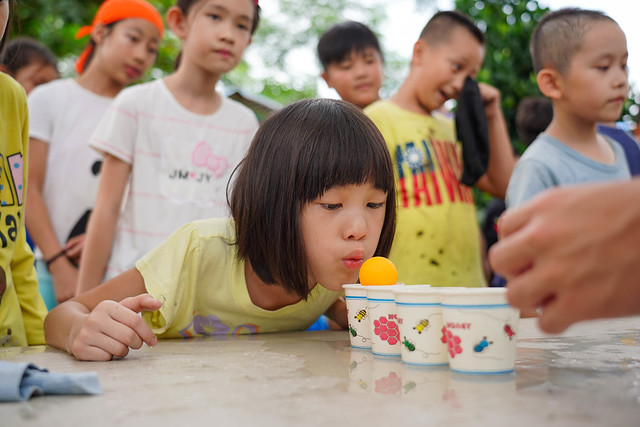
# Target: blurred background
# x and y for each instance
(281, 64)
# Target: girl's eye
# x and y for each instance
(375, 205)
(243, 27)
(214, 17)
(331, 206)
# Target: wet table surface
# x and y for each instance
(590, 375)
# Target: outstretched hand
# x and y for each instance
(112, 328)
(573, 253)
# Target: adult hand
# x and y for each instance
(574, 252)
(112, 328)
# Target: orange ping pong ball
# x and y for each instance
(378, 271)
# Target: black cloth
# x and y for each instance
(473, 132)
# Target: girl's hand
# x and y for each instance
(65, 277)
(112, 328)
(73, 248)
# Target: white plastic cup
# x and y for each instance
(385, 333)
(358, 315)
(420, 320)
(480, 329)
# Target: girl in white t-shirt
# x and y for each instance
(63, 168)
(313, 199)
(171, 145)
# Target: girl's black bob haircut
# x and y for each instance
(299, 153)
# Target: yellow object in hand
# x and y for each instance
(378, 271)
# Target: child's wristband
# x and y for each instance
(50, 261)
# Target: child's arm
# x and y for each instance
(38, 222)
(103, 222)
(501, 157)
(338, 313)
(93, 326)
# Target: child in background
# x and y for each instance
(29, 62)
(438, 238)
(175, 141)
(22, 311)
(352, 62)
(63, 171)
(580, 57)
(297, 234)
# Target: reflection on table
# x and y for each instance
(588, 376)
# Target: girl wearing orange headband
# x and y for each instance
(174, 141)
(63, 172)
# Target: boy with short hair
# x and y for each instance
(437, 236)
(352, 62)
(580, 57)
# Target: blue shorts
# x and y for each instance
(45, 282)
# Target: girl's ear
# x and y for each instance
(99, 33)
(550, 83)
(177, 22)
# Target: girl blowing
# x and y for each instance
(174, 141)
(124, 38)
(313, 199)
(21, 308)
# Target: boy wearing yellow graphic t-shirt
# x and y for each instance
(437, 238)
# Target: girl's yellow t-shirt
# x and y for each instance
(199, 279)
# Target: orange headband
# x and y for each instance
(116, 10)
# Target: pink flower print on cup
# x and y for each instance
(387, 330)
(203, 156)
(453, 342)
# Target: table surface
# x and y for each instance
(590, 375)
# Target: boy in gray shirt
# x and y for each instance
(580, 57)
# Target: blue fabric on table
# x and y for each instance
(23, 380)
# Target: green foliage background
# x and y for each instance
(290, 27)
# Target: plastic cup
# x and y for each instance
(420, 321)
(385, 334)
(480, 328)
(358, 315)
